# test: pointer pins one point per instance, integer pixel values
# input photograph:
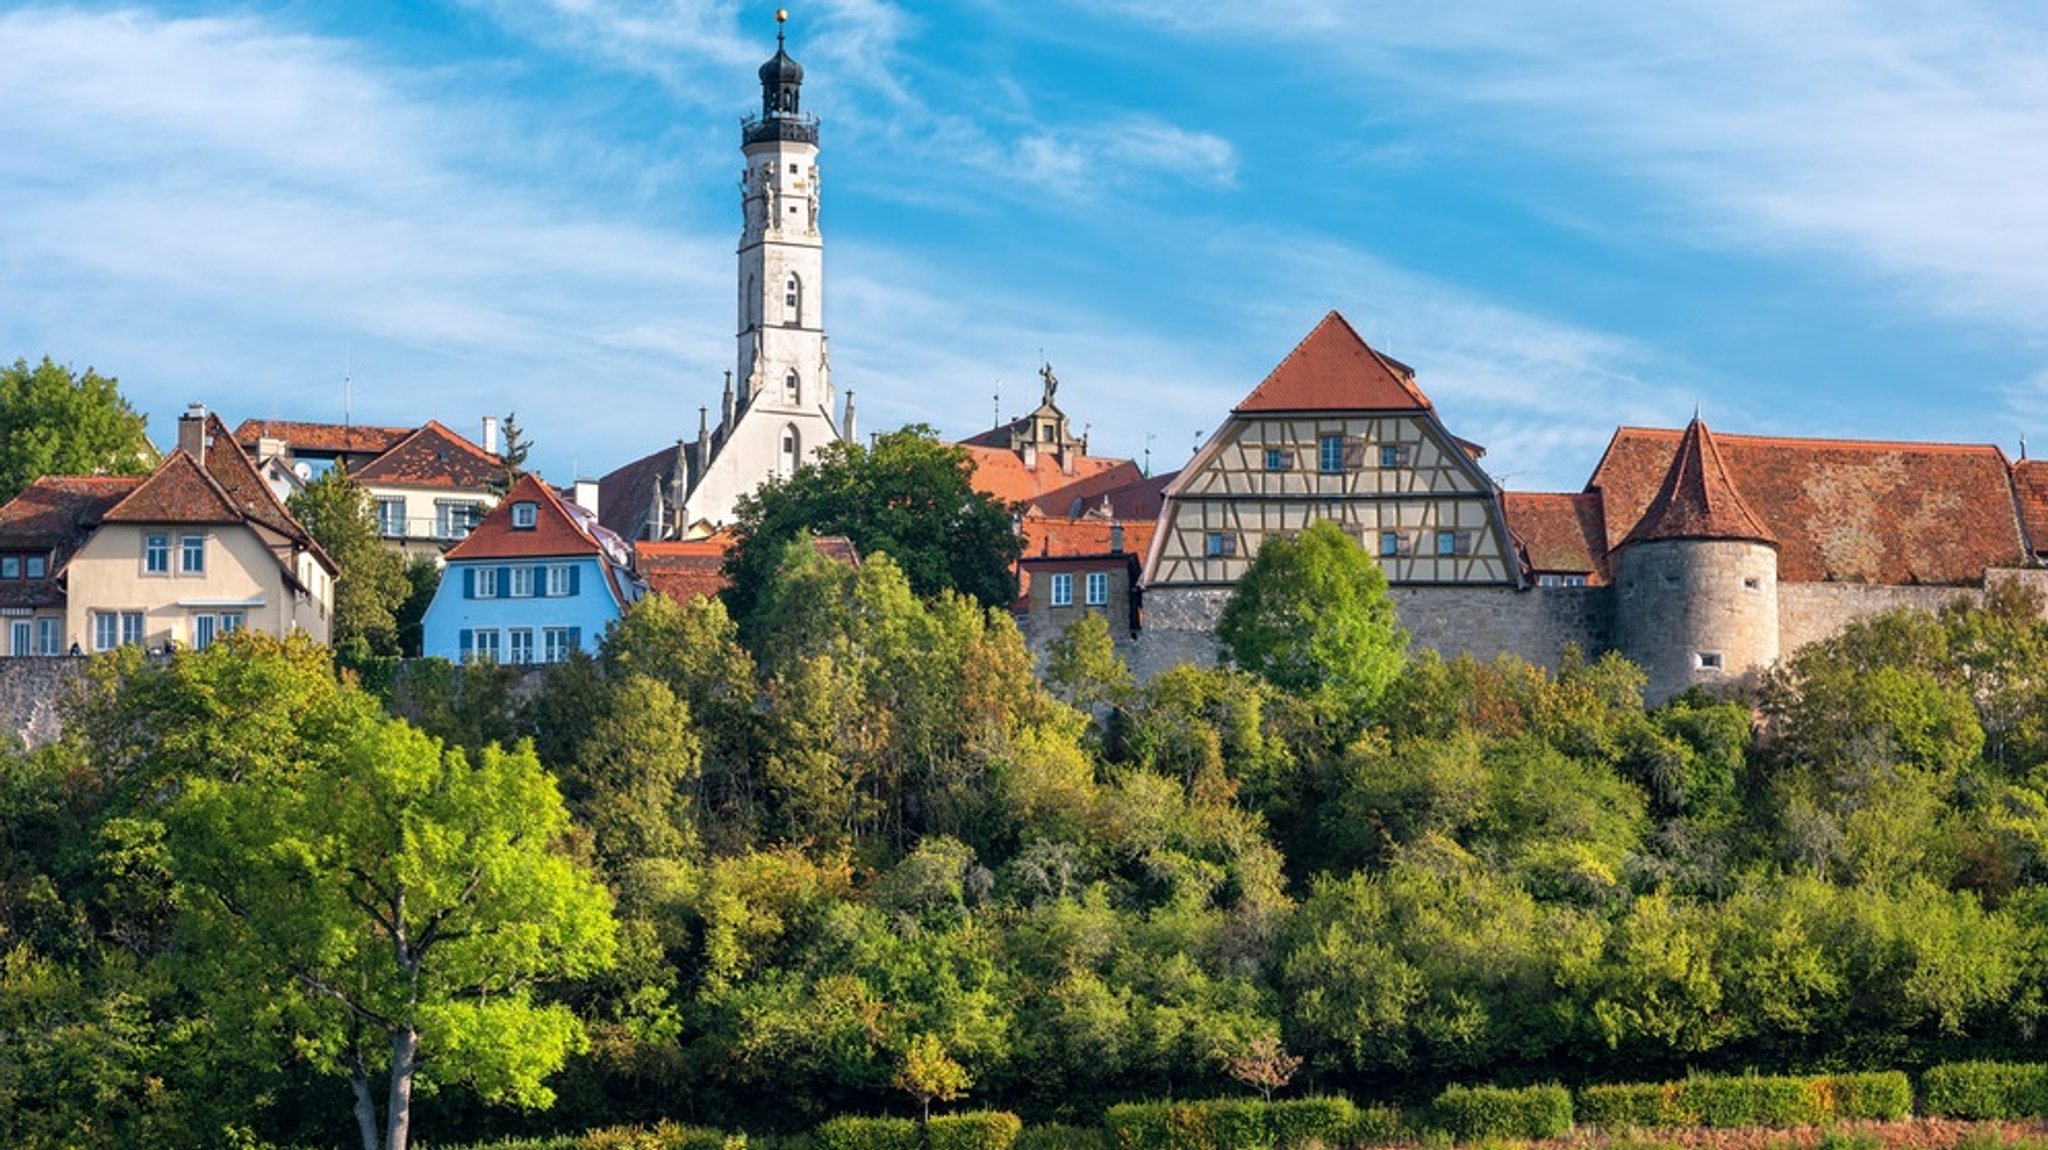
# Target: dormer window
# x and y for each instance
(525, 515)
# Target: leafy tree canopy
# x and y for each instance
(55, 422)
(373, 586)
(1311, 615)
(910, 497)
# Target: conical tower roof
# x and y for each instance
(1699, 499)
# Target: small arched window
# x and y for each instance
(793, 302)
(792, 450)
(793, 387)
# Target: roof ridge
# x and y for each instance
(1834, 441)
(1315, 376)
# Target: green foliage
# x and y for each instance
(373, 584)
(1082, 667)
(1635, 1106)
(1475, 1112)
(909, 497)
(1376, 1126)
(1299, 1123)
(511, 455)
(1756, 1100)
(1749, 1100)
(1059, 1136)
(1981, 1091)
(1311, 615)
(851, 1133)
(56, 422)
(975, 1130)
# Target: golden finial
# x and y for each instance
(782, 15)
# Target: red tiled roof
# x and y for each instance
(1332, 369)
(338, 438)
(1001, 473)
(1085, 495)
(1559, 533)
(249, 493)
(55, 514)
(685, 571)
(1698, 500)
(1844, 510)
(2030, 484)
(556, 530)
(178, 491)
(1047, 537)
(433, 456)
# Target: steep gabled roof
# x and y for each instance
(320, 438)
(558, 529)
(999, 472)
(1844, 510)
(2030, 484)
(1333, 369)
(432, 456)
(624, 496)
(1558, 533)
(249, 493)
(178, 491)
(1057, 538)
(1698, 500)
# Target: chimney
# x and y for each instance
(192, 432)
(490, 440)
(586, 495)
(846, 425)
(1116, 539)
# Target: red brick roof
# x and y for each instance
(317, 438)
(1001, 473)
(1334, 370)
(2030, 484)
(1559, 533)
(178, 491)
(1698, 500)
(684, 571)
(557, 528)
(1844, 510)
(1085, 495)
(433, 456)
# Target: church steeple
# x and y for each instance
(782, 83)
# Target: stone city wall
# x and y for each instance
(30, 690)
(1809, 612)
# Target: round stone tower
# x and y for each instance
(1696, 580)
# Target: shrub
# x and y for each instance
(1300, 1122)
(1469, 1112)
(1879, 1097)
(1754, 1100)
(972, 1130)
(1375, 1126)
(1057, 1136)
(1986, 1090)
(1849, 1140)
(1644, 1106)
(867, 1134)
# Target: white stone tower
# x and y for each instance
(781, 413)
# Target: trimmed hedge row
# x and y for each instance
(1726, 1102)
(1986, 1090)
(1231, 1124)
(970, 1130)
(1469, 1112)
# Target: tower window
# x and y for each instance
(792, 450)
(1707, 660)
(793, 388)
(793, 302)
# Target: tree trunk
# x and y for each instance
(405, 1045)
(366, 1111)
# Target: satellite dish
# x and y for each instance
(303, 470)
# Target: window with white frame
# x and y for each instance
(49, 636)
(23, 639)
(1098, 588)
(391, 516)
(519, 645)
(525, 515)
(558, 580)
(131, 628)
(558, 642)
(106, 630)
(454, 518)
(486, 648)
(191, 554)
(1063, 590)
(156, 553)
(522, 583)
(486, 582)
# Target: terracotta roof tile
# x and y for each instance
(684, 571)
(999, 472)
(2030, 484)
(178, 491)
(1698, 500)
(433, 456)
(1559, 533)
(1845, 510)
(1332, 369)
(1085, 495)
(558, 528)
(320, 438)
(55, 514)
(1049, 537)
(249, 493)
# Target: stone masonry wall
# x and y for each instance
(1809, 612)
(30, 690)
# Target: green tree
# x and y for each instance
(373, 584)
(1083, 668)
(512, 457)
(929, 1074)
(1311, 615)
(54, 422)
(910, 497)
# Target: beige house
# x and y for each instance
(198, 548)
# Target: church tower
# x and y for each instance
(778, 411)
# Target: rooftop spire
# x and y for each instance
(782, 81)
(1699, 499)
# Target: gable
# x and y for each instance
(433, 456)
(1333, 369)
(557, 530)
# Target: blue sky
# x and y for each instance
(1808, 217)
